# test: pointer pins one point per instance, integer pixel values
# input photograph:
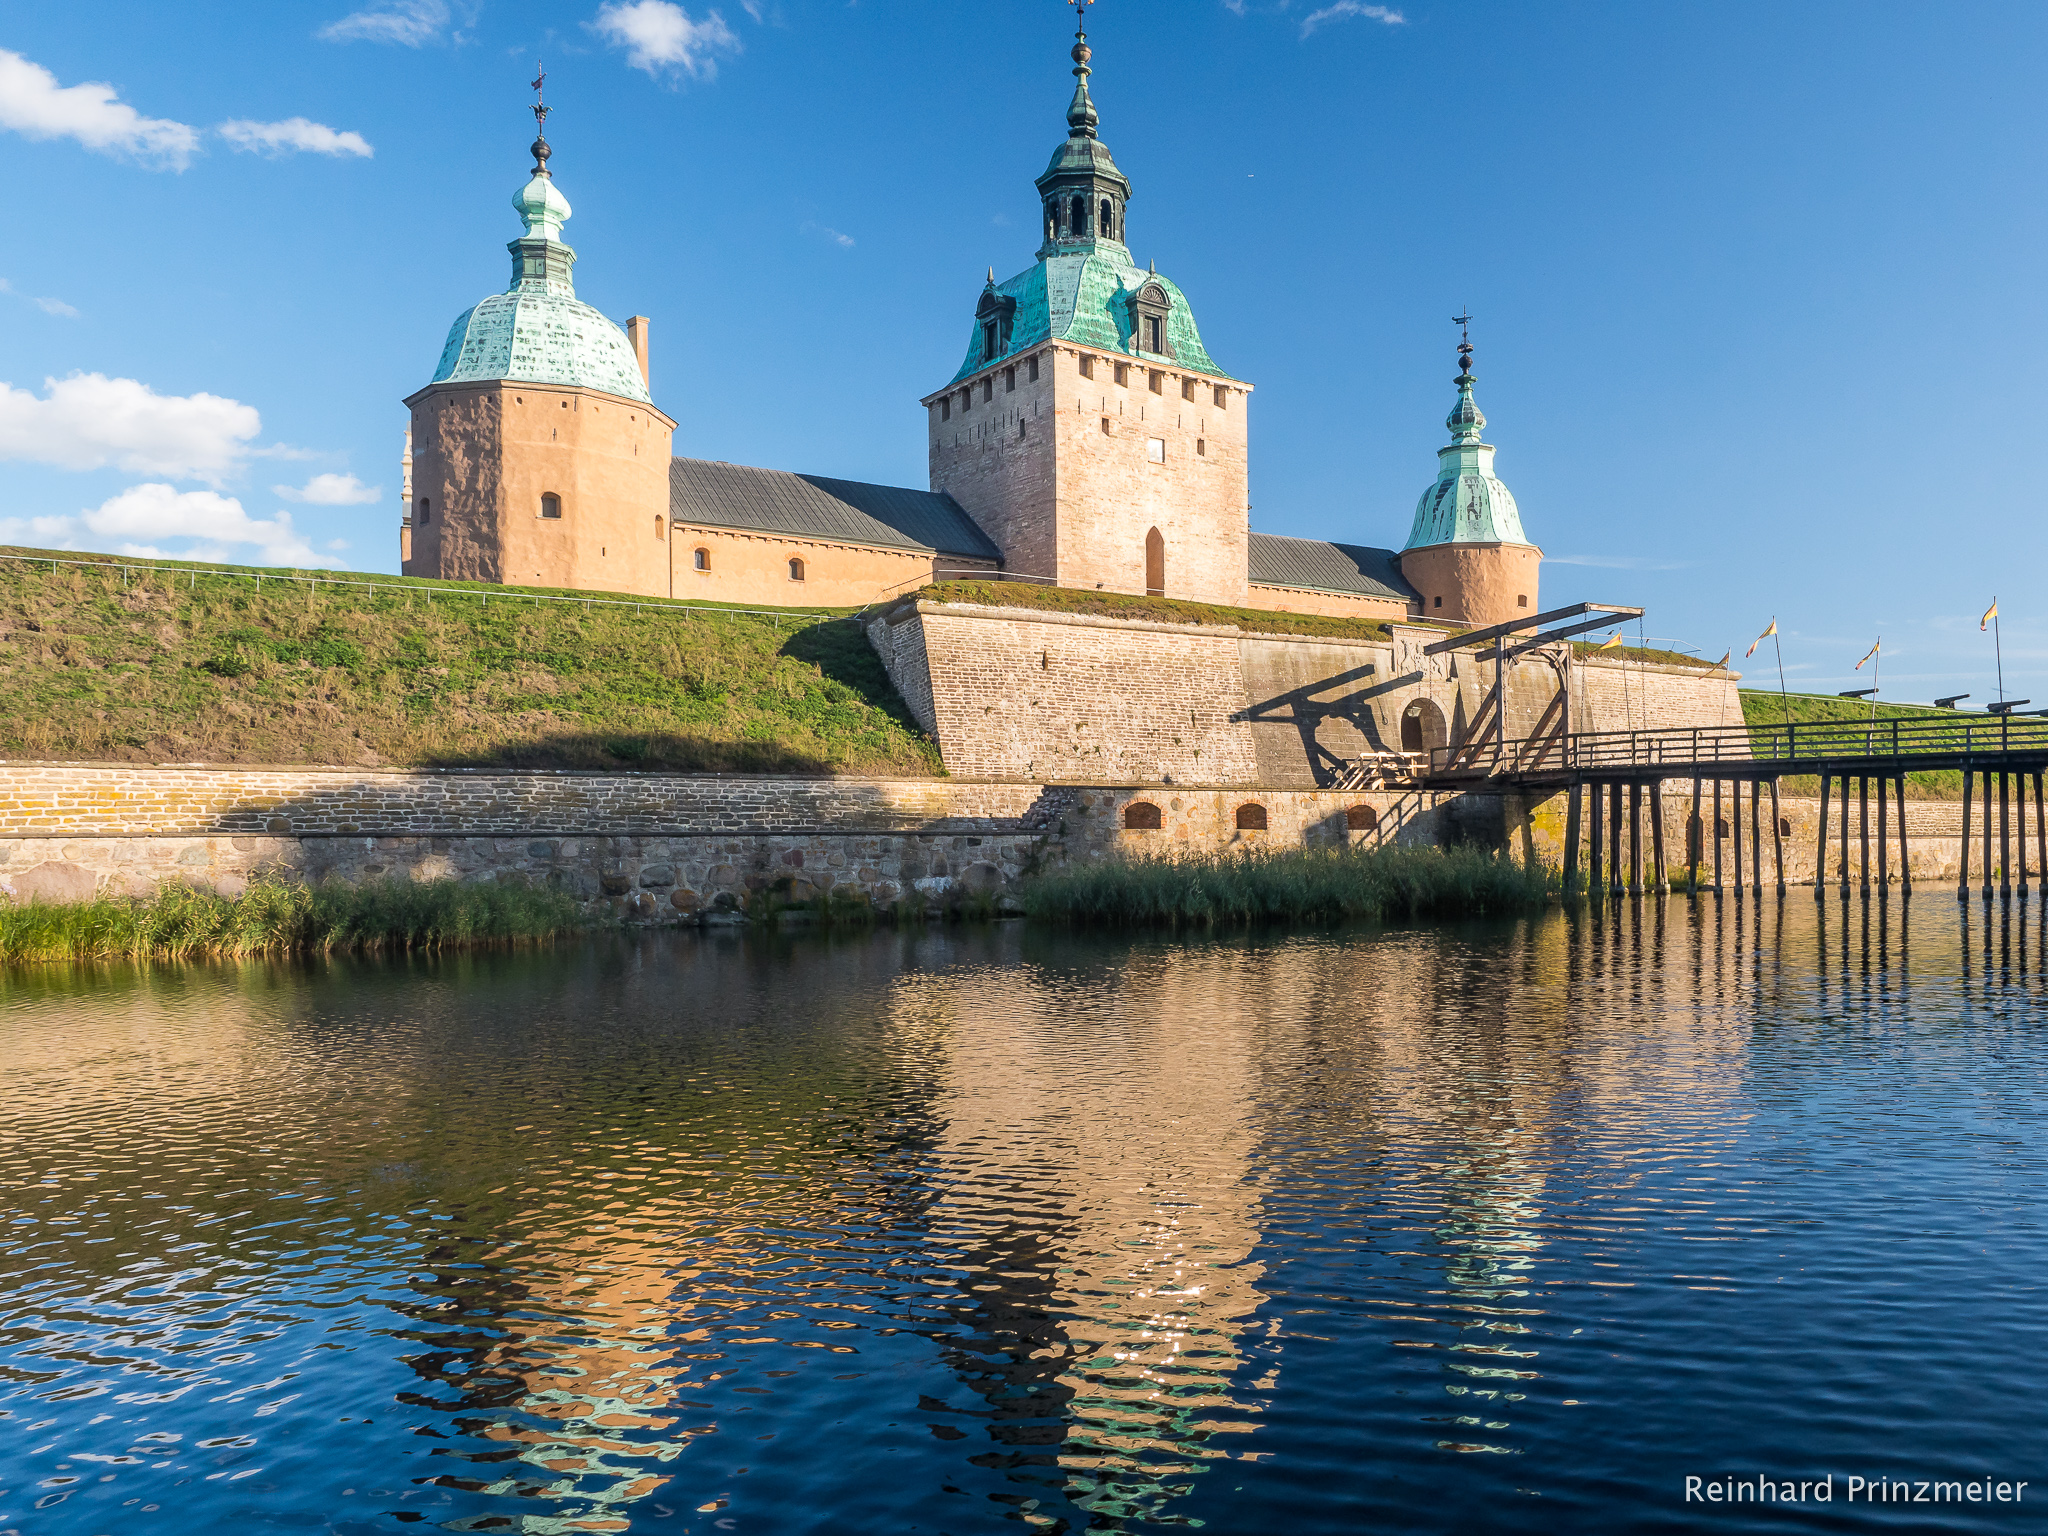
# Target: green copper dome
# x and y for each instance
(1468, 504)
(538, 331)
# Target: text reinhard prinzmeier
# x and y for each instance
(1854, 1490)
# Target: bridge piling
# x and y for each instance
(2041, 835)
(1756, 836)
(1695, 834)
(1777, 838)
(1660, 875)
(1596, 796)
(1845, 837)
(1735, 830)
(2004, 837)
(1617, 877)
(1574, 805)
(1987, 834)
(1863, 828)
(1905, 858)
(2019, 827)
(1963, 856)
(1635, 839)
(1820, 852)
(1884, 841)
(1716, 830)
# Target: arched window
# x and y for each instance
(660, 526)
(1251, 817)
(1080, 216)
(796, 569)
(1155, 564)
(1784, 826)
(1108, 219)
(1052, 220)
(702, 559)
(550, 504)
(1362, 818)
(422, 518)
(1141, 816)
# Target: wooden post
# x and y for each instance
(1963, 853)
(1987, 834)
(1660, 874)
(1884, 841)
(2004, 836)
(2019, 827)
(1820, 851)
(1863, 826)
(1756, 836)
(1845, 837)
(1905, 853)
(1715, 833)
(1695, 836)
(1596, 795)
(1618, 877)
(1635, 839)
(2041, 834)
(1777, 838)
(1735, 829)
(1574, 802)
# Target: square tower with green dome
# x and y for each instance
(1088, 431)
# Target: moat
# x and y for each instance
(1458, 1227)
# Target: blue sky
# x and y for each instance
(1759, 315)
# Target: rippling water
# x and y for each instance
(1454, 1228)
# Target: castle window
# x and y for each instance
(1155, 334)
(1155, 564)
(966, 399)
(422, 518)
(1155, 449)
(1158, 379)
(1052, 220)
(1187, 389)
(1009, 381)
(1107, 429)
(1031, 373)
(1141, 816)
(701, 559)
(1108, 219)
(988, 338)
(1438, 603)
(1361, 818)
(1251, 817)
(946, 409)
(1202, 447)
(660, 527)
(1087, 366)
(1222, 398)
(550, 505)
(1521, 599)
(988, 389)
(1080, 215)
(796, 569)
(1020, 426)
(1123, 373)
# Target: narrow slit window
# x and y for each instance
(422, 518)
(1031, 371)
(1009, 380)
(660, 526)
(1222, 398)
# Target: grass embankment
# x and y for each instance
(1161, 610)
(1315, 885)
(206, 664)
(1761, 708)
(277, 917)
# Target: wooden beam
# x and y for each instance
(1987, 834)
(1863, 829)
(1617, 876)
(1905, 849)
(1635, 839)
(1596, 795)
(1603, 613)
(1845, 837)
(1714, 832)
(1756, 836)
(1884, 841)
(1574, 803)
(2019, 827)
(1660, 874)
(1820, 852)
(1963, 854)
(1777, 838)
(2041, 834)
(1695, 836)
(2004, 835)
(1735, 830)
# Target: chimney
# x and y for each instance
(636, 333)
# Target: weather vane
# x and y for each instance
(1464, 323)
(540, 106)
(1080, 15)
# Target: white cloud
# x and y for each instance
(1617, 562)
(332, 491)
(827, 232)
(47, 306)
(89, 420)
(157, 512)
(406, 22)
(661, 37)
(294, 133)
(34, 104)
(1347, 8)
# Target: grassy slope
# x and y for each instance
(1760, 707)
(1164, 610)
(162, 669)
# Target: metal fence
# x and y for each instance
(1817, 742)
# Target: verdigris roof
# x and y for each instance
(1278, 561)
(1084, 296)
(538, 331)
(718, 495)
(1467, 504)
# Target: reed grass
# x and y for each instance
(277, 917)
(1313, 885)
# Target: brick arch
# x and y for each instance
(1141, 816)
(1362, 818)
(1251, 817)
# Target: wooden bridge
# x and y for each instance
(2007, 754)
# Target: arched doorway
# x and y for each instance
(1155, 564)
(1423, 728)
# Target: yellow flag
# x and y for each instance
(1760, 639)
(1611, 641)
(1873, 652)
(1989, 614)
(1724, 657)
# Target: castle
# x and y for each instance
(1088, 439)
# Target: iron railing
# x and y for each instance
(1683, 748)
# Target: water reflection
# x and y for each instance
(968, 1231)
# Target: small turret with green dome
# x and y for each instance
(1467, 504)
(538, 331)
(1086, 287)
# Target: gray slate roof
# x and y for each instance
(1278, 561)
(813, 507)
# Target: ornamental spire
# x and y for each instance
(1081, 115)
(1465, 419)
(540, 121)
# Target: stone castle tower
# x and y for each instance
(538, 457)
(1466, 554)
(1088, 431)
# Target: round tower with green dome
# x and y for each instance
(539, 457)
(1466, 553)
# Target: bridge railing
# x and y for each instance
(1817, 741)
